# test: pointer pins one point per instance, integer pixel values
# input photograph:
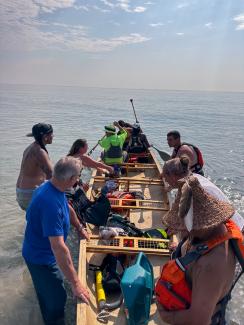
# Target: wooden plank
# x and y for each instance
(134, 168)
(133, 207)
(81, 306)
(120, 200)
(91, 183)
(159, 167)
(138, 164)
(160, 170)
(128, 245)
(146, 180)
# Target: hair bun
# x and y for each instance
(184, 160)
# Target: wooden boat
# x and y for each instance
(145, 214)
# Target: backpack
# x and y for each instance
(95, 213)
(116, 220)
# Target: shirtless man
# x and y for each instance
(183, 149)
(36, 166)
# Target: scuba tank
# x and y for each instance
(137, 285)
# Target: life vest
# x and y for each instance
(124, 195)
(173, 290)
(142, 157)
(196, 168)
(114, 151)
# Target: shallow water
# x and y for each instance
(213, 121)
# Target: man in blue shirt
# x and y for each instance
(44, 248)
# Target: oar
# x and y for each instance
(131, 100)
(163, 155)
(91, 151)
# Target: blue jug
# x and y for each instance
(137, 285)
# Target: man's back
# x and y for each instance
(35, 167)
(188, 151)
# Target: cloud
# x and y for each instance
(209, 25)
(100, 9)
(156, 24)
(180, 34)
(22, 29)
(52, 5)
(140, 9)
(124, 5)
(240, 21)
(182, 5)
(79, 7)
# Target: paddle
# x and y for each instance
(131, 100)
(163, 155)
(91, 151)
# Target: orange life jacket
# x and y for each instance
(172, 289)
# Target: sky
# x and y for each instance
(163, 44)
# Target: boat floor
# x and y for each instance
(143, 219)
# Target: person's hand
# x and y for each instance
(164, 314)
(167, 188)
(110, 169)
(83, 232)
(80, 292)
(172, 246)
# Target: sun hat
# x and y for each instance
(110, 129)
(208, 211)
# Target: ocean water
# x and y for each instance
(212, 120)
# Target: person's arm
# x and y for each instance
(76, 223)
(119, 127)
(45, 163)
(145, 141)
(64, 261)
(208, 279)
(89, 162)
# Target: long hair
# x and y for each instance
(39, 140)
(76, 146)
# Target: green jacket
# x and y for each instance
(112, 146)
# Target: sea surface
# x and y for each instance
(212, 120)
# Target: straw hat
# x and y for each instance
(208, 212)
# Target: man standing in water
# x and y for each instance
(44, 248)
(185, 149)
(36, 166)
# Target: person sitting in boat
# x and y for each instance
(138, 142)
(186, 149)
(44, 249)
(195, 286)
(36, 166)
(128, 127)
(112, 144)
(79, 149)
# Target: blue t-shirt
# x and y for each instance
(47, 215)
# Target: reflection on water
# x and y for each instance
(214, 121)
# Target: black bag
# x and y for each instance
(112, 271)
(116, 220)
(95, 213)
